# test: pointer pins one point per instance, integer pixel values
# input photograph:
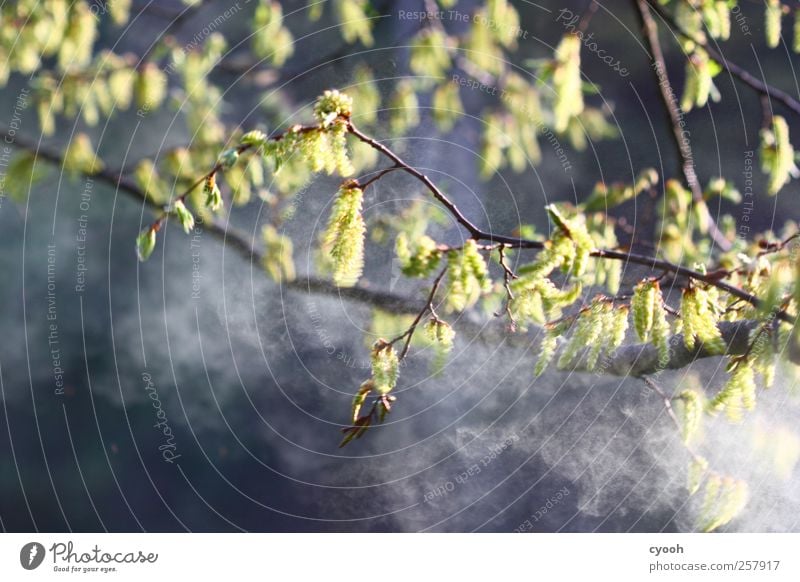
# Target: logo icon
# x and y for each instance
(31, 555)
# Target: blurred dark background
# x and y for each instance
(243, 371)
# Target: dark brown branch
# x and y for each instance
(474, 231)
(670, 104)
(242, 243)
(737, 71)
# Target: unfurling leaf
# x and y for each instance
(360, 398)
(145, 243)
(343, 240)
(212, 193)
(184, 216)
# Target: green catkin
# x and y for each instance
(777, 155)
(419, 260)
(605, 316)
(698, 83)
(403, 109)
(724, 16)
(343, 240)
(643, 308)
(796, 31)
(739, 392)
(618, 327)
(773, 12)
(661, 330)
(692, 414)
(697, 469)
(547, 349)
(700, 321)
(567, 82)
(278, 250)
(150, 87)
(80, 156)
(689, 19)
(467, 277)
(440, 333)
(385, 367)
(588, 332)
(271, 40)
(724, 499)
(354, 23)
(430, 54)
(447, 107)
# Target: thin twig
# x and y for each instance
(670, 412)
(429, 308)
(737, 71)
(668, 99)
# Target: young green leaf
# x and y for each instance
(145, 243)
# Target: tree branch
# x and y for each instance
(674, 113)
(641, 360)
(242, 243)
(737, 71)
